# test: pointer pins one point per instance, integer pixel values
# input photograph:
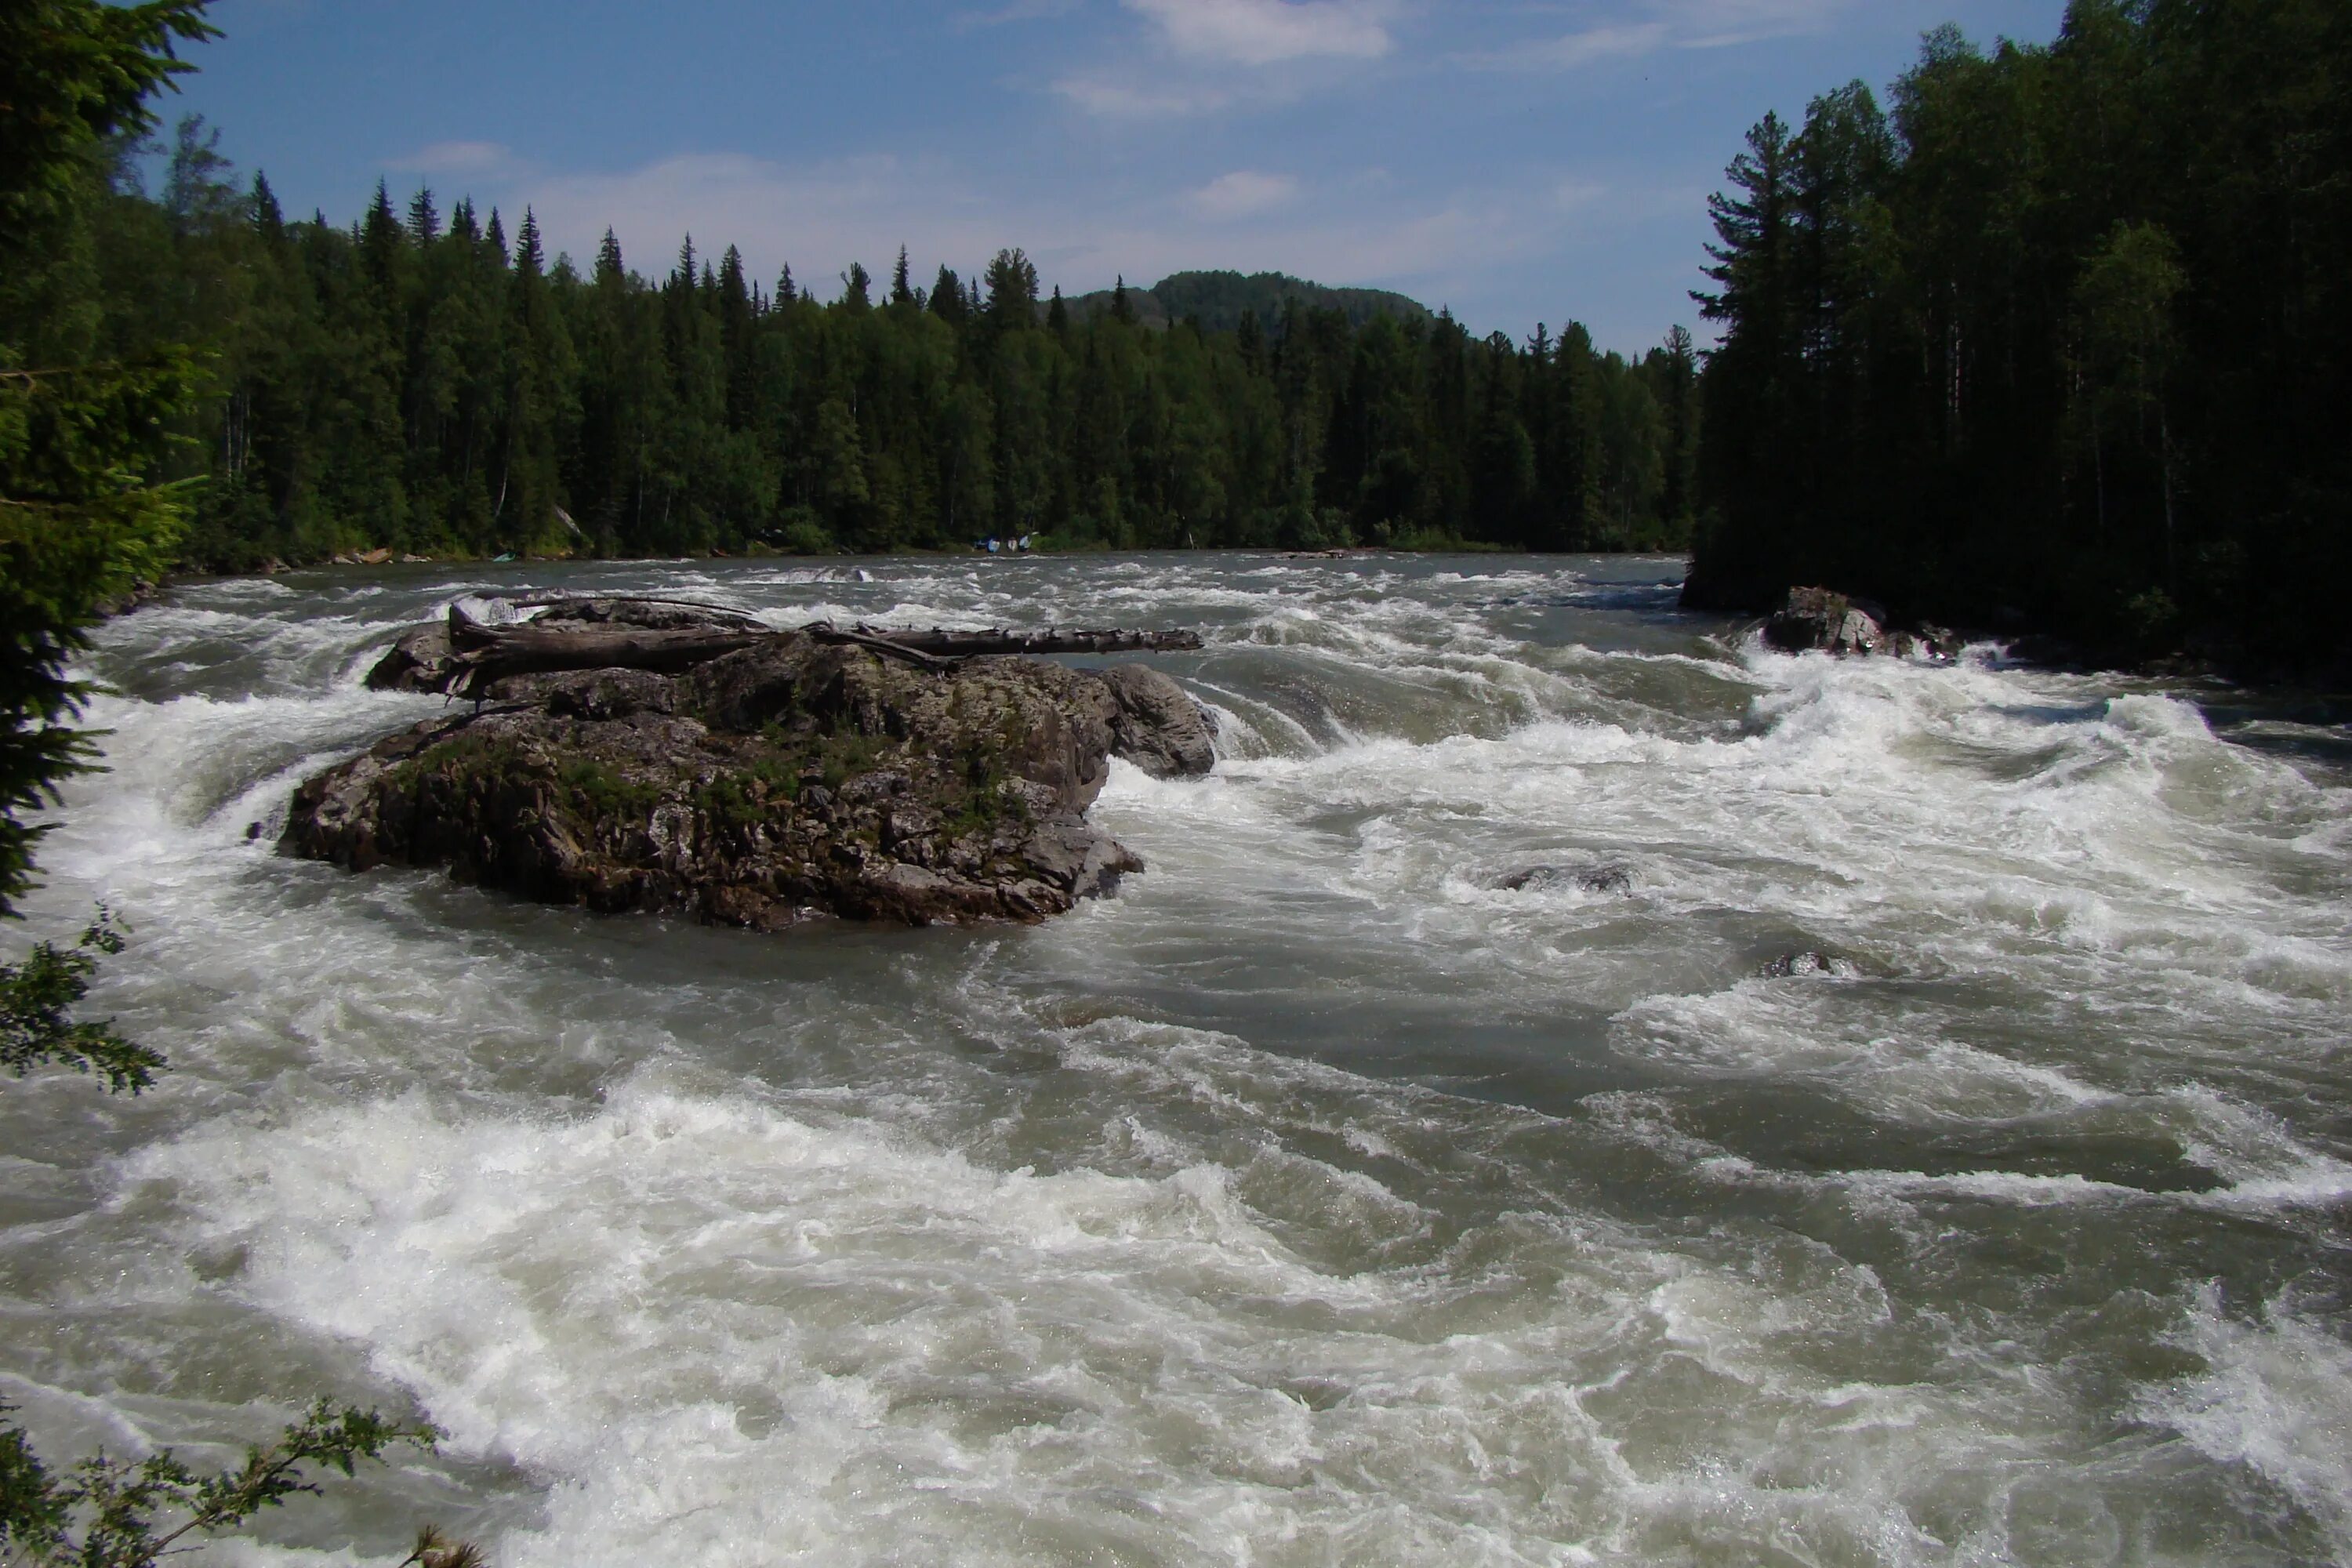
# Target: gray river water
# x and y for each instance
(1317, 1201)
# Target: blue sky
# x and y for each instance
(1518, 160)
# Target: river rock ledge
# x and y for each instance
(787, 781)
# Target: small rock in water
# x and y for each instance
(1585, 878)
(1796, 966)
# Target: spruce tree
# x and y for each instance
(423, 219)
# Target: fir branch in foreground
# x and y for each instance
(36, 1025)
(111, 1513)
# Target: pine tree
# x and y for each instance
(268, 219)
(948, 298)
(902, 290)
(424, 219)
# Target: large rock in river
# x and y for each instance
(791, 779)
(1820, 618)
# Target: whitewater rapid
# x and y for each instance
(1319, 1200)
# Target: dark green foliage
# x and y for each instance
(72, 74)
(411, 383)
(37, 1024)
(86, 413)
(2065, 338)
(113, 1513)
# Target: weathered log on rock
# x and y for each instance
(946, 643)
(486, 654)
(654, 614)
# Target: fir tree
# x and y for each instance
(423, 219)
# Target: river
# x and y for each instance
(1317, 1200)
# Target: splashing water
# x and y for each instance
(1322, 1199)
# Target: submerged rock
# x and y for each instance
(791, 779)
(1612, 878)
(1798, 965)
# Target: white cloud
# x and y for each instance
(1608, 42)
(1243, 194)
(1268, 32)
(1114, 99)
(1667, 23)
(460, 158)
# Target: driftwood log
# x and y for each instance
(484, 654)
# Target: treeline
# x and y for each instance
(2065, 338)
(428, 382)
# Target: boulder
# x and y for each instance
(1158, 726)
(419, 661)
(1820, 618)
(790, 779)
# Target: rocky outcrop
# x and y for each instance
(1822, 618)
(1156, 725)
(790, 779)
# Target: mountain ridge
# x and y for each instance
(1219, 297)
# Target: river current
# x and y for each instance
(1319, 1200)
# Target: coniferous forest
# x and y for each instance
(429, 379)
(2059, 337)
(2056, 336)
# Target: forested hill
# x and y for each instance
(1218, 300)
(428, 378)
(2057, 336)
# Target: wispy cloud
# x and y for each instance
(1204, 57)
(460, 158)
(1245, 193)
(1666, 24)
(1571, 50)
(1268, 32)
(1112, 98)
(1017, 11)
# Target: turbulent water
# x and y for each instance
(1317, 1200)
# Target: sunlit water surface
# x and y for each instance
(1317, 1200)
